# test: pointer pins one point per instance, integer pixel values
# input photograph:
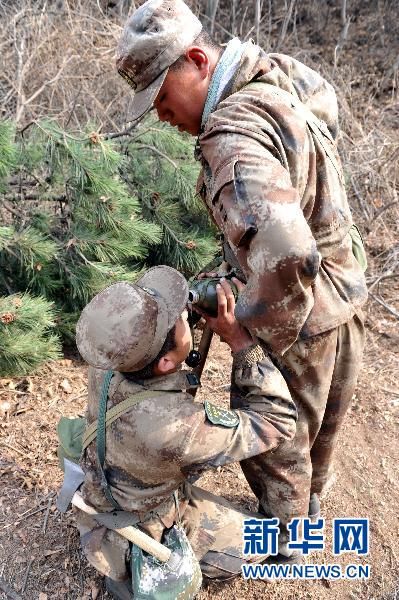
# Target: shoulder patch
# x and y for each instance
(221, 416)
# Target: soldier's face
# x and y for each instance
(172, 360)
(181, 99)
(183, 340)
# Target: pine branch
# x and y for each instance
(89, 209)
(154, 149)
(25, 331)
(7, 151)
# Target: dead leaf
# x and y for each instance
(65, 362)
(5, 407)
(51, 552)
(42, 596)
(17, 302)
(377, 202)
(24, 536)
(20, 560)
(66, 386)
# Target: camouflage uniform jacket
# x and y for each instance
(161, 441)
(272, 182)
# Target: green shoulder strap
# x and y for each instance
(100, 442)
(101, 430)
(114, 413)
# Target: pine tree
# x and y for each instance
(80, 211)
(75, 227)
(165, 183)
(27, 334)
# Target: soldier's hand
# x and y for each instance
(225, 324)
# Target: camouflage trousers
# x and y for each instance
(321, 373)
(213, 526)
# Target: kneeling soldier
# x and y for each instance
(165, 440)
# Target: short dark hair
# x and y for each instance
(203, 39)
(148, 371)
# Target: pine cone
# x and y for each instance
(7, 318)
(94, 137)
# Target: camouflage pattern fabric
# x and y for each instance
(164, 441)
(273, 184)
(278, 198)
(321, 373)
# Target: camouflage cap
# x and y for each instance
(155, 36)
(124, 327)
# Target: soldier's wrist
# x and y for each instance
(248, 356)
(240, 341)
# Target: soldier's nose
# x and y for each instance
(164, 114)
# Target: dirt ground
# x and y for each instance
(39, 548)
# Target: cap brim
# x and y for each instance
(171, 285)
(143, 100)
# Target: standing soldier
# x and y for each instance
(272, 181)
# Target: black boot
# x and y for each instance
(120, 590)
(296, 558)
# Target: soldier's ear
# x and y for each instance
(198, 57)
(164, 366)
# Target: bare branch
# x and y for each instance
(257, 20)
(284, 27)
(391, 310)
(54, 79)
(211, 9)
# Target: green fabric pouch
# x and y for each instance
(73, 437)
(358, 249)
(70, 433)
(178, 579)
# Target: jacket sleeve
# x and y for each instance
(253, 191)
(266, 417)
(281, 261)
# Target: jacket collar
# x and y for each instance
(253, 64)
(179, 381)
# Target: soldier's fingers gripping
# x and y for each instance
(222, 300)
(230, 300)
(239, 284)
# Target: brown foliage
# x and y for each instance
(59, 62)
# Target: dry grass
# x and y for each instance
(59, 63)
